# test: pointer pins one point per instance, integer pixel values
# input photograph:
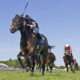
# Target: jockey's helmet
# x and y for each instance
(67, 45)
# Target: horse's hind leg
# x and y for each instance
(51, 67)
(76, 67)
(47, 69)
(72, 67)
(19, 59)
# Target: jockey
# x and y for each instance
(67, 50)
(33, 25)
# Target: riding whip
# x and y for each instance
(26, 5)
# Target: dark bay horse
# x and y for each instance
(50, 61)
(68, 60)
(28, 43)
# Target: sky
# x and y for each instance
(59, 21)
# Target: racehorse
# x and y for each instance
(50, 61)
(68, 57)
(28, 43)
(68, 60)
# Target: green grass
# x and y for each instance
(57, 75)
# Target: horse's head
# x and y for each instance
(16, 24)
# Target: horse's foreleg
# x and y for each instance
(43, 62)
(19, 59)
(33, 63)
(43, 68)
(30, 61)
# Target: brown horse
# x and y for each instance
(50, 61)
(68, 60)
(28, 43)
